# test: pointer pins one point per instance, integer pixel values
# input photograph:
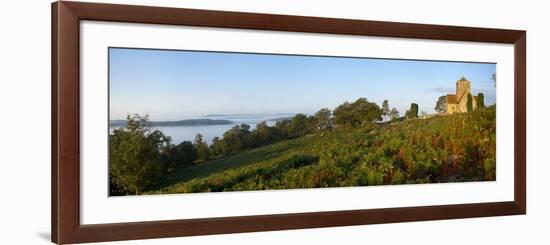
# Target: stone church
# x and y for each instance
(458, 102)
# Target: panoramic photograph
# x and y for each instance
(205, 121)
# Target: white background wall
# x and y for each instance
(25, 121)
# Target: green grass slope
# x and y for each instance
(452, 148)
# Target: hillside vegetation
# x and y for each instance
(449, 148)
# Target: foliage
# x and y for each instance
(236, 139)
(385, 109)
(480, 100)
(263, 135)
(201, 148)
(441, 104)
(241, 137)
(344, 148)
(394, 114)
(469, 103)
(323, 119)
(413, 112)
(183, 154)
(450, 148)
(217, 147)
(359, 113)
(135, 154)
(299, 126)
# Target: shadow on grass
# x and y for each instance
(237, 160)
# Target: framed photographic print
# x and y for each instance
(176, 122)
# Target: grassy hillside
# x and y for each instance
(451, 148)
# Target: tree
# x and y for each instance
(237, 138)
(441, 104)
(469, 103)
(414, 109)
(358, 113)
(201, 148)
(217, 147)
(135, 154)
(480, 100)
(413, 112)
(281, 128)
(385, 109)
(323, 119)
(262, 135)
(183, 154)
(299, 126)
(394, 114)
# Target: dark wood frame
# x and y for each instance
(66, 227)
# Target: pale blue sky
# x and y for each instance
(171, 85)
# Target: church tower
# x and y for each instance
(462, 88)
(459, 102)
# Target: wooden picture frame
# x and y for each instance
(66, 226)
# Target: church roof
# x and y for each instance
(463, 79)
(451, 99)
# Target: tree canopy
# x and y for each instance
(441, 104)
(413, 112)
(480, 100)
(135, 153)
(394, 114)
(324, 119)
(385, 109)
(201, 148)
(358, 113)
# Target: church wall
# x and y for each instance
(463, 88)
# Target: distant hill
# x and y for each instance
(247, 115)
(186, 122)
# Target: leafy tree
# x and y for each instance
(182, 155)
(358, 113)
(115, 190)
(281, 128)
(480, 101)
(299, 126)
(217, 147)
(414, 109)
(263, 135)
(413, 112)
(232, 140)
(135, 154)
(323, 119)
(469, 103)
(385, 109)
(311, 123)
(441, 104)
(394, 114)
(237, 138)
(201, 148)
